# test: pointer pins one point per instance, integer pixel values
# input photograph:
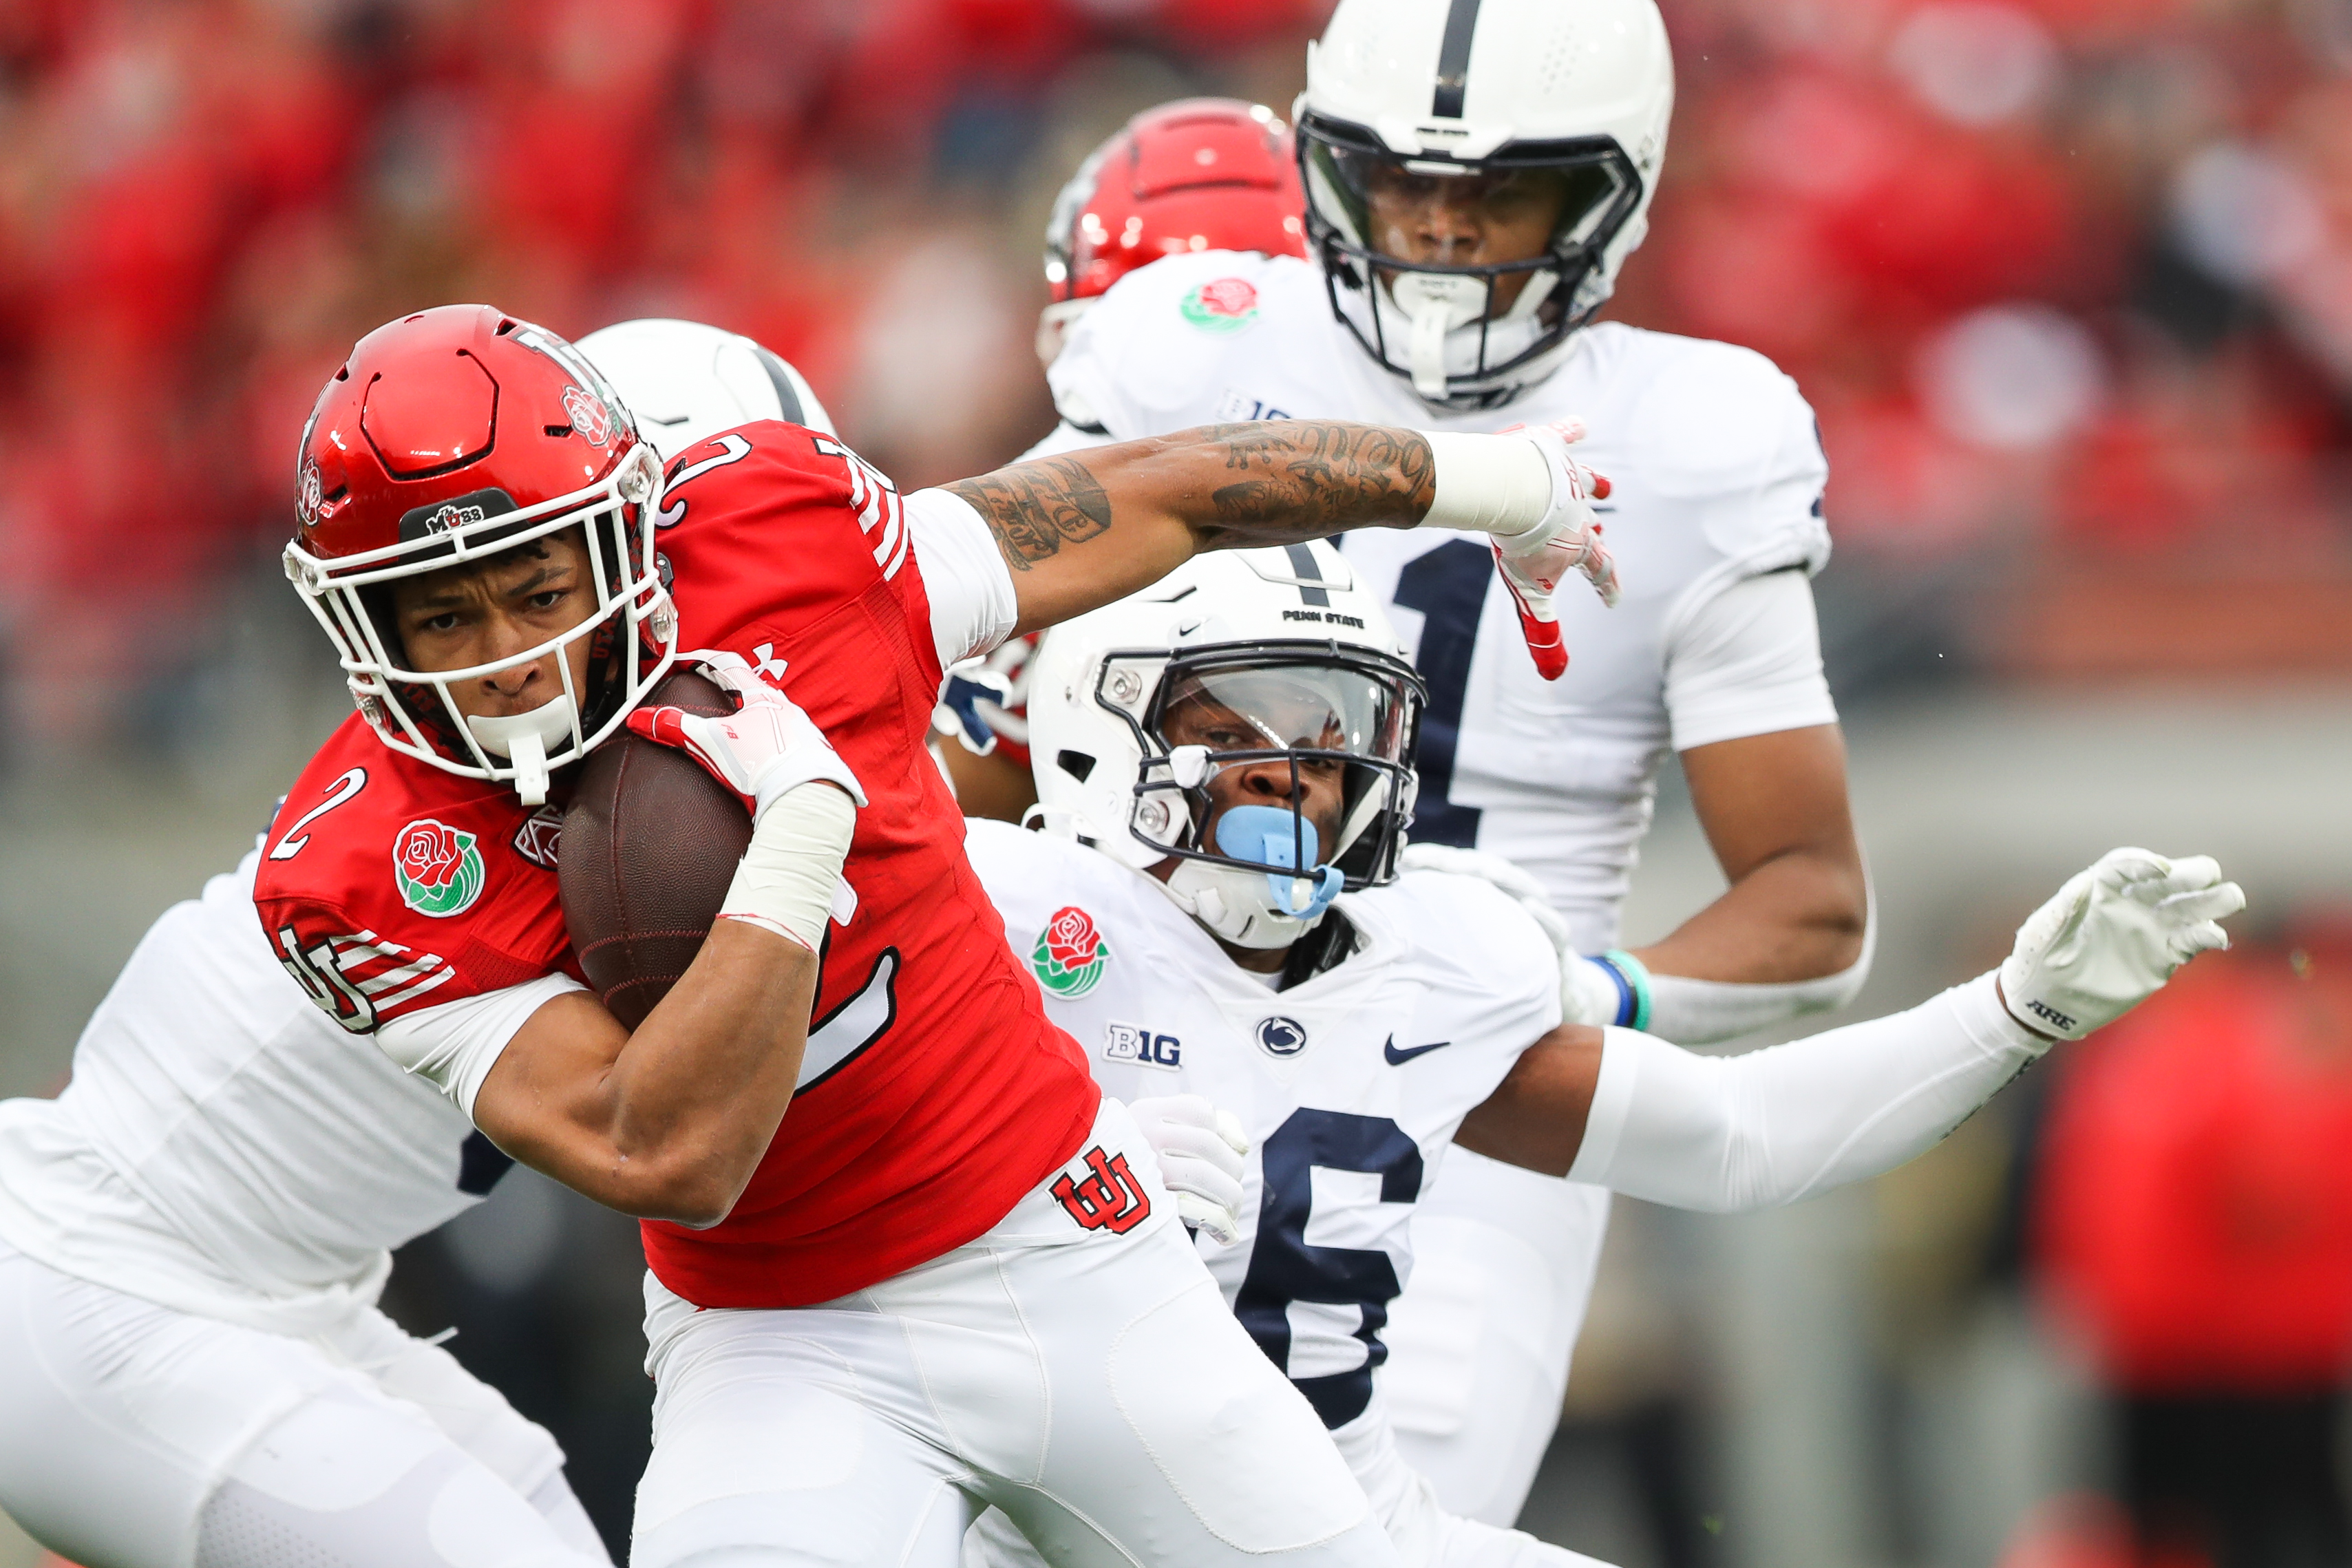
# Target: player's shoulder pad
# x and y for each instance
(762, 452)
(1029, 875)
(1718, 424)
(1154, 354)
(393, 866)
(1469, 928)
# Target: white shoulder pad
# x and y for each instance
(1722, 427)
(1153, 354)
(1467, 926)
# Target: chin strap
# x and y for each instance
(522, 739)
(1439, 304)
(1436, 304)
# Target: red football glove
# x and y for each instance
(1535, 563)
(759, 750)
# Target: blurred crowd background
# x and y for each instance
(2068, 282)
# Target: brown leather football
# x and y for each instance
(650, 843)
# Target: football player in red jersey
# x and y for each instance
(947, 1266)
(1200, 173)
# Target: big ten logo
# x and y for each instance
(1132, 1043)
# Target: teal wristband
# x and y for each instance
(1636, 977)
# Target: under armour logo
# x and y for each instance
(1111, 1199)
(766, 664)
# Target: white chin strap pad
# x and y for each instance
(1234, 905)
(523, 737)
(1436, 303)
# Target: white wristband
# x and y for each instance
(787, 878)
(1488, 484)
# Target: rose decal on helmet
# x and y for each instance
(439, 868)
(589, 414)
(1070, 953)
(309, 490)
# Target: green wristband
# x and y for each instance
(1636, 976)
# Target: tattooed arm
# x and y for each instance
(1085, 528)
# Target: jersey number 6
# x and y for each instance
(1285, 1268)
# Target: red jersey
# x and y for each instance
(397, 886)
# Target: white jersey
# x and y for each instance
(1350, 1084)
(1718, 470)
(224, 1148)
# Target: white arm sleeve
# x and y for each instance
(453, 1046)
(1726, 1133)
(1748, 662)
(964, 575)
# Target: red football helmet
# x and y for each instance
(1201, 174)
(448, 437)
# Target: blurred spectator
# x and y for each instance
(2192, 1221)
(2070, 281)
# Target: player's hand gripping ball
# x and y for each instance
(764, 747)
(1567, 540)
(2112, 937)
(1201, 1150)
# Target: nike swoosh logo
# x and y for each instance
(1397, 1058)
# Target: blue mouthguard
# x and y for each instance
(1270, 836)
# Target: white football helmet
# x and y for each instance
(1547, 100)
(685, 382)
(1237, 660)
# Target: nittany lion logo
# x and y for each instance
(1281, 1037)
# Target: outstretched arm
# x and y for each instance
(1084, 527)
(1726, 1133)
(1629, 1111)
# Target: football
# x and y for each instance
(650, 843)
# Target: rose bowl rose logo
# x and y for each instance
(1222, 305)
(1070, 953)
(438, 867)
(308, 495)
(589, 414)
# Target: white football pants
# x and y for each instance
(1086, 1379)
(133, 1436)
(1503, 1265)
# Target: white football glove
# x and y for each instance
(763, 749)
(1587, 994)
(1535, 564)
(1201, 1150)
(2112, 937)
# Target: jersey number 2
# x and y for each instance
(1284, 1266)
